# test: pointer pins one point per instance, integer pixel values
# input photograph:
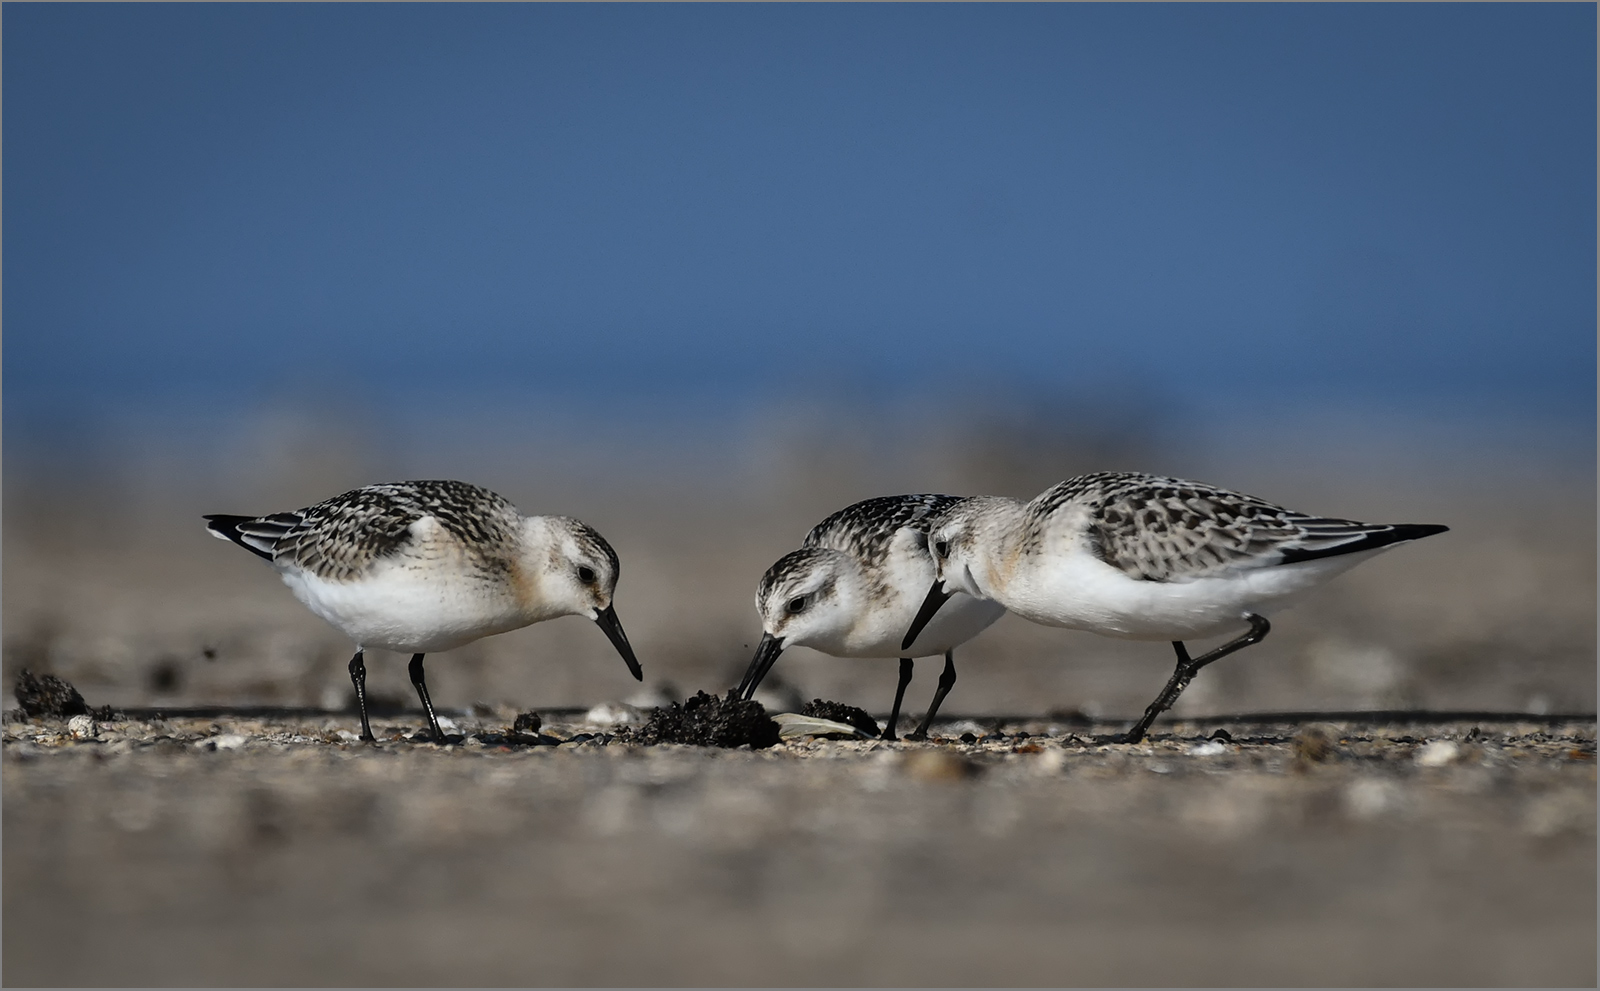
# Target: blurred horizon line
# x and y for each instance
(186, 427)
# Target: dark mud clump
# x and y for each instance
(707, 721)
(524, 731)
(48, 696)
(841, 713)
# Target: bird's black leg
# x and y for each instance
(1175, 686)
(422, 693)
(358, 677)
(947, 680)
(899, 693)
(1186, 670)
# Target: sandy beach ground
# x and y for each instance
(226, 830)
(271, 851)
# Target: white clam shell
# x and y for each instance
(792, 725)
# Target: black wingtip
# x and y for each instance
(1413, 531)
(1397, 533)
(227, 526)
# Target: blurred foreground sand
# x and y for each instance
(274, 852)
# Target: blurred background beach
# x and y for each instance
(112, 582)
(701, 275)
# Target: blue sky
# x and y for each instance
(1247, 206)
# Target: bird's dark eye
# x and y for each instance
(942, 548)
(797, 604)
(586, 575)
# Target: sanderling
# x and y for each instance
(852, 587)
(420, 567)
(1145, 558)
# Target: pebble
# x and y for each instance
(227, 741)
(1050, 762)
(961, 726)
(613, 714)
(1438, 753)
(1369, 798)
(81, 727)
(1313, 744)
(938, 765)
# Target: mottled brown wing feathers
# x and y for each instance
(864, 529)
(1168, 529)
(341, 537)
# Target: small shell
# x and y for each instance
(792, 725)
(1437, 753)
(612, 714)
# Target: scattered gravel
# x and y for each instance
(274, 848)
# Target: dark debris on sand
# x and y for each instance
(841, 713)
(707, 721)
(45, 695)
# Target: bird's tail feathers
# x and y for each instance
(257, 534)
(1327, 538)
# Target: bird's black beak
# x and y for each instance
(608, 621)
(767, 652)
(936, 598)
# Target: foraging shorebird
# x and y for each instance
(1145, 558)
(852, 587)
(421, 567)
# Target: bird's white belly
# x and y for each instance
(1083, 593)
(408, 609)
(880, 634)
